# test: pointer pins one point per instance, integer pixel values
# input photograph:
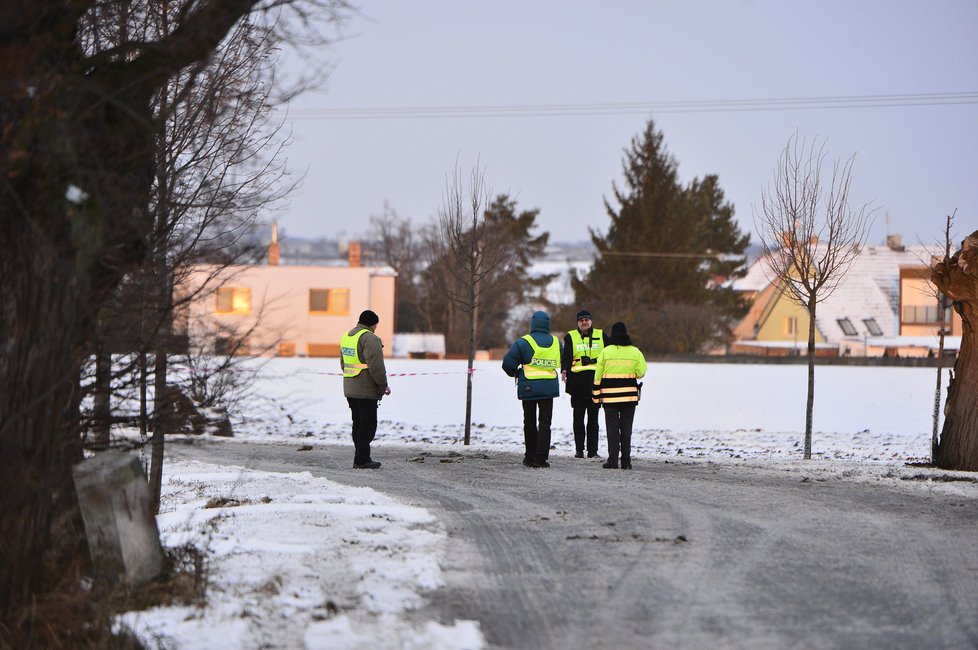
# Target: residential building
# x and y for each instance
(885, 305)
(283, 310)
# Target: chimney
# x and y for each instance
(273, 255)
(895, 243)
(353, 253)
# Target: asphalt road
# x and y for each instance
(672, 555)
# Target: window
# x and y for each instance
(791, 325)
(872, 327)
(847, 327)
(921, 314)
(329, 302)
(233, 300)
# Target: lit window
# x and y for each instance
(330, 302)
(233, 300)
(847, 327)
(873, 327)
(791, 325)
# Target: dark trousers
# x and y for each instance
(618, 420)
(536, 435)
(584, 432)
(364, 427)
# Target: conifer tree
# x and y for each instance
(517, 287)
(504, 288)
(662, 263)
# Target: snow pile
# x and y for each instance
(297, 561)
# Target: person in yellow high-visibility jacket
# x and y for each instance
(616, 387)
(534, 361)
(577, 361)
(364, 384)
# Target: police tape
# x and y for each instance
(471, 371)
(206, 369)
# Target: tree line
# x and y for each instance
(664, 264)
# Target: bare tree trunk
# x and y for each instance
(937, 391)
(468, 385)
(942, 310)
(957, 278)
(39, 398)
(161, 398)
(143, 411)
(160, 408)
(810, 404)
(101, 398)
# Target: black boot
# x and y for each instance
(610, 464)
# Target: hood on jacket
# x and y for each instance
(540, 322)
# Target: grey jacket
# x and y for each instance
(372, 381)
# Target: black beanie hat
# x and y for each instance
(368, 318)
(619, 329)
(583, 314)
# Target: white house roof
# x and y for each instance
(869, 290)
(757, 278)
(858, 298)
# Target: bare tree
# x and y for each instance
(78, 144)
(942, 331)
(218, 162)
(466, 260)
(957, 277)
(810, 235)
(400, 247)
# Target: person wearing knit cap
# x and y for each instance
(577, 362)
(616, 387)
(534, 360)
(364, 383)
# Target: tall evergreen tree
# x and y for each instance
(661, 265)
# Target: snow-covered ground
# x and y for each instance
(299, 561)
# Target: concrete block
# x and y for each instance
(119, 522)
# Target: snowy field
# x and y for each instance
(298, 561)
(695, 410)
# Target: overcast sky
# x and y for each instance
(681, 62)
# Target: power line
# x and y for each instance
(697, 256)
(632, 108)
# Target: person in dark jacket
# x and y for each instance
(534, 360)
(364, 384)
(577, 362)
(616, 387)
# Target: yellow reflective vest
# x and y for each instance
(352, 365)
(545, 362)
(585, 348)
(617, 373)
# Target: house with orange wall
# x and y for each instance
(885, 305)
(282, 310)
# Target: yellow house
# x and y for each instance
(885, 305)
(282, 310)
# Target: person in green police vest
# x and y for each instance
(534, 361)
(577, 362)
(364, 384)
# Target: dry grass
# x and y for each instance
(75, 613)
